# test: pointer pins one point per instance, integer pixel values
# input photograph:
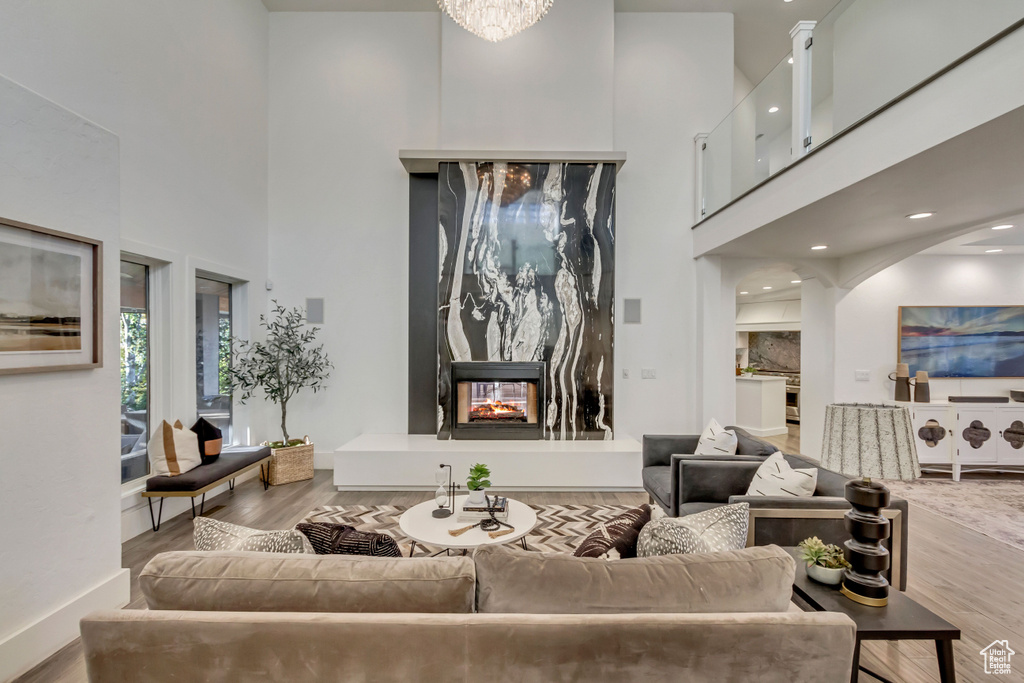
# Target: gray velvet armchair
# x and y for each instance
(693, 483)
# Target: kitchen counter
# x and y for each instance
(761, 404)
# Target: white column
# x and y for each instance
(817, 360)
(716, 341)
(801, 140)
(700, 146)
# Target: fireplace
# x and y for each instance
(495, 400)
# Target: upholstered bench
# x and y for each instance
(232, 463)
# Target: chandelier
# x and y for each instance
(495, 20)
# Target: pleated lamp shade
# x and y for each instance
(869, 441)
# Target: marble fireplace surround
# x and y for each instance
(526, 274)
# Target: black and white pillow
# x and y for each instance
(616, 539)
(775, 477)
(715, 530)
(212, 534)
(716, 440)
(341, 539)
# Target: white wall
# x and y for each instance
(866, 319)
(59, 493)
(184, 87)
(348, 90)
(547, 88)
(339, 196)
(882, 47)
(673, 77)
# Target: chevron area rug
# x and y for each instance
(560, 528)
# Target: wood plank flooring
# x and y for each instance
(973, 581)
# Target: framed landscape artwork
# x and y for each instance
(962, 341)
(50, 300)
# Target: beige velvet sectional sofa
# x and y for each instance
(503, 614)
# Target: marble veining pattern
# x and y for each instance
(527, 274)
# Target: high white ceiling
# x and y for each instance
(761, 35)
(779, 278)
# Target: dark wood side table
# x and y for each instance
(901, 619)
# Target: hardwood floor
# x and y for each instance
(973, 581)
(787, 443)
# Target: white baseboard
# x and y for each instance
(323, 461)
(31, 645)
(135, 509)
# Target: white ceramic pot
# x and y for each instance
(478, 497)
(825, 575)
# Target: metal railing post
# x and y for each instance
(700, 142)
(802, 35)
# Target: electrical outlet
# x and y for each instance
(625, 373)
(862, 375)
(647, 373)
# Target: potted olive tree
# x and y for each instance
(288, 361)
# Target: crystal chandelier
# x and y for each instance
(495, 20)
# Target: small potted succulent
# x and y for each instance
(825, 563)
(477, 484)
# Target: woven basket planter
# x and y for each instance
(294, 463)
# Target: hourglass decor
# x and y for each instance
(445, 495)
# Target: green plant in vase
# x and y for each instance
(825, 562)
(478, 482)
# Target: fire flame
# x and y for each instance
(498, 408)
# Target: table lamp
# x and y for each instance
(868, 441)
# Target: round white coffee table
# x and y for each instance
(422, 527)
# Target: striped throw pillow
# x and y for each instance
(775, 477)
(173, 450)
(716, 440)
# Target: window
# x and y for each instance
(213, 353)
(134, 370)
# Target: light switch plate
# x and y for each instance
(862, 375)
(625, 373)
(647, 373)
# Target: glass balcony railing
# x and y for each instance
(864, 55)
(753, 141)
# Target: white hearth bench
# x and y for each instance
(232, 463)
(407, 462)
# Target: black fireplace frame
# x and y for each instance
(481, 371)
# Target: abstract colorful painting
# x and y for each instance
(962, 341)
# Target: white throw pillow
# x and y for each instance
(716, 530)
(776, 478)
(716, 440)
(173, 450)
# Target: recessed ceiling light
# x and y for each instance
(923, 214)
(992, 251)
(744, 292)
(772, 110)
(789, 61)
(819, 247)
(766, 288)
(795, 282)
(1001, 227)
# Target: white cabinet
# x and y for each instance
(933, 431)
(988, 435)
(977, 435)
(1010, 437)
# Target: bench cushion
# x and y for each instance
(231, 460)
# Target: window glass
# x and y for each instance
(213, 354)
(134, 370)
